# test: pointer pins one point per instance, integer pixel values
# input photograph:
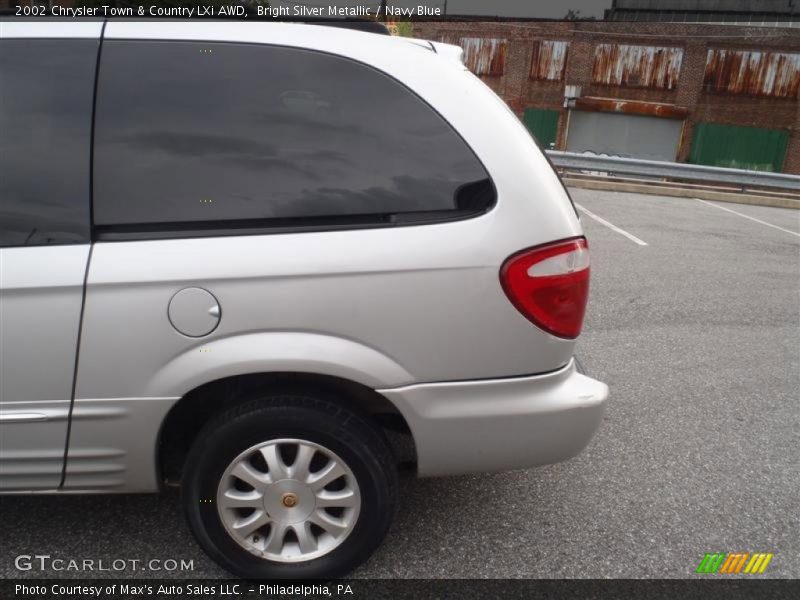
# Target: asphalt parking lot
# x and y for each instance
(697, 334)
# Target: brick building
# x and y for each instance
(710, 94)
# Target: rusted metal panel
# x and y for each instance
(774, 74)
(549, 60)
(637, 66)
(632, 107)
(485, 56)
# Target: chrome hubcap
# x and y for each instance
(288, 500)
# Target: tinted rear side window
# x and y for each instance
(46, 95)
(189, 132)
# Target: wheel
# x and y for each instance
(289, 487)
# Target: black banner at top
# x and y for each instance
(381, 10)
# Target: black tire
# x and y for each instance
(362, 447)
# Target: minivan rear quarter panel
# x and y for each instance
(386, 307)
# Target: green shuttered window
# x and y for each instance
(543, 124)
(739, 147)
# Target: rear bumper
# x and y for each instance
(501, 424)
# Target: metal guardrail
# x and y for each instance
(681, 171)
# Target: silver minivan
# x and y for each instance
(248, 258)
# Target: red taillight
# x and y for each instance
(550, 285)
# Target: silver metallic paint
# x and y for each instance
(501, 424)
(41, 289)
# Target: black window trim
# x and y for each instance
(235, 227)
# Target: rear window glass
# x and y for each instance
(46, 93)
(190, 132)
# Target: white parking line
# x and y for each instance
(749, 217)
(611, 226)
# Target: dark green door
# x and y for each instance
(738, 147)
(543, 124)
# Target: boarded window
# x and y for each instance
(549, 60)
(754, 73)
(739, 147)
(485, 56)
(637, 66)
(625, 135)
(543, 124)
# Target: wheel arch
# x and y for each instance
(243, 354)
(193, 410)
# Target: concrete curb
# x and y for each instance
(667, 190)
